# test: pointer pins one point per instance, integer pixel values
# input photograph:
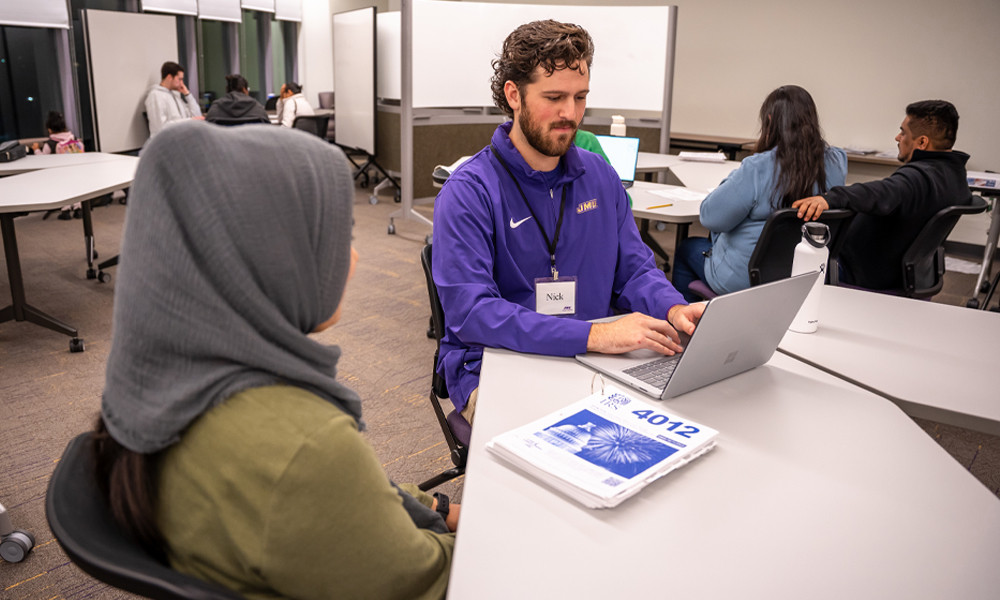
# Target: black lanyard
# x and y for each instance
(562, 211)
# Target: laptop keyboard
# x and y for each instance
(655, 372)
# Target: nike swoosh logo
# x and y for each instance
(516, 224)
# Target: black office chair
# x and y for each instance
(923, 261)
(772, 256)
(233, 122)
(271, 103)
(314, 124)
(82, 523)
(456, 429)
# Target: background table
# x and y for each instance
(38, 162)
(935, 361)
(42, 190)
(817, 490)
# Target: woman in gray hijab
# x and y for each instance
(225, 442)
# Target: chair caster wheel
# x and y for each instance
(428, 239)
(91, 274)
(972, 303)
(392, 229)
(96, 255)
(16, 546)
(76, 345)
(661, 226)
(984, 287)
(397, 198)
(104, 277)
(373, 200)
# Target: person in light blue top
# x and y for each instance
(791, 161)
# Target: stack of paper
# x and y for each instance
(604, 448)
(703, 156)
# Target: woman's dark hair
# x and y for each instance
(789, 122)
(55, 122)
(293, 87)
(236, 83)
(128, 481)
(551, 44)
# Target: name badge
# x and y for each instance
(555, 296)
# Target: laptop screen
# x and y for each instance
(623, 152)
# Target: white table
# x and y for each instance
(697, 176)
(42, 190)
(38, 162)
(651, 162)
(816, 490)
(935, 361)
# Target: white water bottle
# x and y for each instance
(618, 125)
(811, 254)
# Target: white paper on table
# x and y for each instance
(679, 194)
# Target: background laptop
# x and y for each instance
(623, 152)
(737, 332)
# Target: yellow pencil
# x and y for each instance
(658, 206)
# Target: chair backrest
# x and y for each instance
(923, 261)
(772, 256)
(234, 121)
(271, 103)
(82, 523)
(314, 124)
(326, 99)
(454, 426)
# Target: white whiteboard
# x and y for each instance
(124, 54)
(389, 55)
(354, 78)
(455, 42)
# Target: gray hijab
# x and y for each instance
(236, 246)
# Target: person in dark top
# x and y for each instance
(892, 211)
(236, 104)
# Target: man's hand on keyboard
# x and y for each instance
(632, 332)
(684, 317)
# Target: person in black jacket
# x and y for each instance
(236, 104)
(892, 211)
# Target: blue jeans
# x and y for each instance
(689, 265)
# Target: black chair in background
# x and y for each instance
(456, 429)
(233, 122)
(314, 124)
(923, 261)
(82, 524)
(271, 103)
(772, 256)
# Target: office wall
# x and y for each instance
(862, 61)
(316, 49)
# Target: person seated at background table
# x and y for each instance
(892, 211)
(292, 103)
(61, 141)
(170, 100)
(237, 103)
(532, 218)
(225, 441)
(791, 160)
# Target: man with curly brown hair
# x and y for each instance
(534, 237)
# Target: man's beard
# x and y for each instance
(536, 136)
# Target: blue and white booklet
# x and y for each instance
(604, 448)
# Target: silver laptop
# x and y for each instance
(737, 332)
(623, 152)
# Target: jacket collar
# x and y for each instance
(953, 156)
(571, 163)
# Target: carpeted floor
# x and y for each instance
(48, 395)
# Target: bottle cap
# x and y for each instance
(817, 234)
